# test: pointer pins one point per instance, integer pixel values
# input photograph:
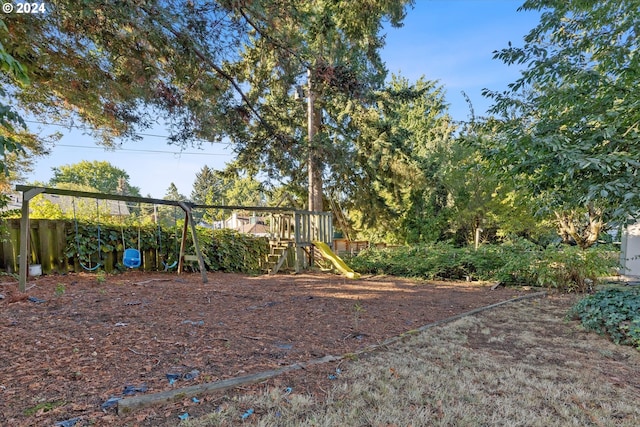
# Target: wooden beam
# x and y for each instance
(189, 219)
(127, 405)
(183, 241)
(135, 199)
(100, 196)
(281, 260)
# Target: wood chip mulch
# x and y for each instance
(72, 345)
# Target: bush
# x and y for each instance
(572, 269)
(612, 312)
(519, 257)
(228, 250)
(436, 261)
(517, 262)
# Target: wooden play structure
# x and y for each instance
(131, 256)
(292, 234)
(295, 236)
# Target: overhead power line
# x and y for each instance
(71, 126)
(178, 153)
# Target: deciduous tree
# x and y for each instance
(18, 147)
(101, 175)
(570, 125)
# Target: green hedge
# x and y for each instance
(222, 250)
(230, 251)
(519, 262)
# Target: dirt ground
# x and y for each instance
(73, 342)
(516, 364)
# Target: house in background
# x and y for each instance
(112, 208)
(255, 225)
(630, 251)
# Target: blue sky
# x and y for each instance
(450, 41)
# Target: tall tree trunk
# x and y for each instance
(314, 164)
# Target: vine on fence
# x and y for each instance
(223, 250)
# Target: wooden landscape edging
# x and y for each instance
(125, 406)
(450, 319)
(129, 404)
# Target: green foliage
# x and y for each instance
(86, 245)
(613, 312)
(101, 276)
(44, 407)
(223, 250)
(570, 268)
(99, 175)
(230, 187)
(569, 125)
(172, 193)
(60, 289)
(358, 311)
(392, 184)
(10, 120)
(228, 250)
(40, 207)
(517, 262)
(435, 261)
(169, 66)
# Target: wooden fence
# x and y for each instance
(48, 244)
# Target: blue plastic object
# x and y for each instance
(247, 414)
(168, 266)
(68, 423)
(131, 258)
(132, 389)
(112, 401)
(86, 267)
(172, 378)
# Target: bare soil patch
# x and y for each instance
(73, 342)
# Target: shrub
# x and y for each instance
(435, 261)
(228, 250)
(519, 257)
(569, 268)
(612, 312)
(516, 262)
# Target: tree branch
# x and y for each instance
(154, 15)
(273, 41)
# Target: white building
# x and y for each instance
(630, 251)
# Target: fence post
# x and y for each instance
(25, 235)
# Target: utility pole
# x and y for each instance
(314, 165)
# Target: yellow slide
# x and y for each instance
(338, 263)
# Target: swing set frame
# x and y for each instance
(29, 192)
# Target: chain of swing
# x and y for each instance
(131, 257)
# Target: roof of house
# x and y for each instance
(257, 228)
(66, 203)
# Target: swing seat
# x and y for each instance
(131, 258)
(168, 266)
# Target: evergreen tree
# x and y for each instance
(172, 193)
(209, 70)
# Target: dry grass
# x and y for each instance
(517, 365)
